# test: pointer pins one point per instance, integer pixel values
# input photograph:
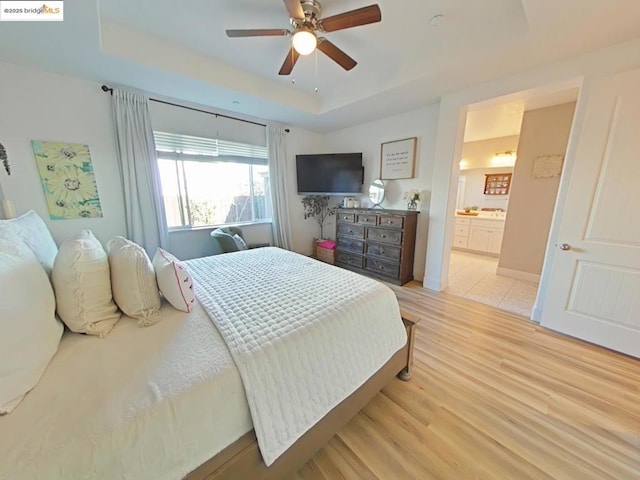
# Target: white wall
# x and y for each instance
(481, 153)
(366, 138)
(474, 188)
(35, 105)
(453, 107)
(300, 141)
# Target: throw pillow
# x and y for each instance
(82, 285)
(133, 281)
(242, 245)
(30, 332)
(174, 280)
(34, 232)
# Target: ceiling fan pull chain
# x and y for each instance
(316, 89)
(293, 79)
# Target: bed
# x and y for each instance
(172, 400)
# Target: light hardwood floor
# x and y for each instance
(493, 396)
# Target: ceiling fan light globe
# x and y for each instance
(304, 41)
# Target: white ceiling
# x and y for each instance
(180, 50)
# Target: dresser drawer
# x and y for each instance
(491, 224)
(462, 230)
(386, 251)
(350, 244)
(390, 221)
(385, 235)
(349, 258)
(463, 221)
(381, 267)
(356, 231)
(346, 217)
(366, 218)
(460, 242)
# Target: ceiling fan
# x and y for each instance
(306, 21)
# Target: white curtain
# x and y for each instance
(144, 208)
(278, 181)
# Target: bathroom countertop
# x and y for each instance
(497, 216)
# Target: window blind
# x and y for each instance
(186, 147)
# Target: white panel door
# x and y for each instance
(594, 284)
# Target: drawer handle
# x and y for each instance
(350, 231)
(345, 217)
(384, 236)
(381, 267)
(382, 251)
(389, 222)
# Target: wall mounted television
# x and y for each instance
(330, 174)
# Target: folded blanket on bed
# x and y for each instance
(304, 334)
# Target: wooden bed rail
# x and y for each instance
(242, 458)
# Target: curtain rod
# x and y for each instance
(110, 90)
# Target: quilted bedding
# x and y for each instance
(303, 334)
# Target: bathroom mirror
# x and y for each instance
(376, 192)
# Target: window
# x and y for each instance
(212, 182)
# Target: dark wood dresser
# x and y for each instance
(376, 242)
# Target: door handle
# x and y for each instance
(565, 247)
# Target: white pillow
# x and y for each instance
(29, 331)
(133, 281)
(34, 232)
(82, 286)
(174, 280)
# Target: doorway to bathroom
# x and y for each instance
(508, 181)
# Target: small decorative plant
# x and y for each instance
(317, 207)
(413, 197)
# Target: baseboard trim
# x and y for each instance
(536, 314)
(518, 275)
(434, 285)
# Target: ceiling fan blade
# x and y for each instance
(275, 32)
(294, 7)
(289, 62)
(353, 18)
(335, 54)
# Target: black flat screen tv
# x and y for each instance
(330, 174)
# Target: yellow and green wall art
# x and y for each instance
(68, 180)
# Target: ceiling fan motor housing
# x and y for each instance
(312, 13)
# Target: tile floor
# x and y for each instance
(474, 277)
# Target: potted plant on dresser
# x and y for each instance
(317, 207)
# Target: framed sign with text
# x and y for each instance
(398, 159)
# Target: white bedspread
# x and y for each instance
(142, 403)
(304, 335)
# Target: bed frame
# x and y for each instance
(242, 458)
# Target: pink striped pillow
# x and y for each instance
(174, 280)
